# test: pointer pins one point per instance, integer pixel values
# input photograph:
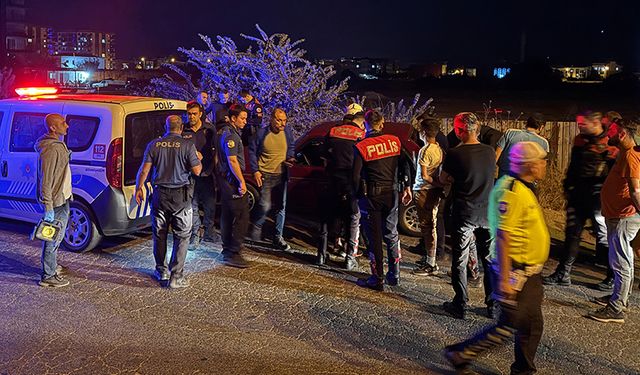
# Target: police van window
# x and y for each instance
(139, 130)
(25, 130)
(82, 130)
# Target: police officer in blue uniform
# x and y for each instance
(377, 180)
(204, 137)
(170, 160)
(234, 217)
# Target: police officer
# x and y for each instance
(342, 205)
(591, 160)
(234, 218)
(375, 174)
(170, 159)
(204, 137)
(254, 117)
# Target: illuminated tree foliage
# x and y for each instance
(272, 68)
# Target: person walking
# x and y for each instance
(170, 160)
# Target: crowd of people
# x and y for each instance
(476, 182)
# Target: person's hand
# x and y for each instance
(506, 290)
(139, 195)
(199, 155)
(243, 188)
(258, 177)
(49, 216)
(406, 196)
(290, 162)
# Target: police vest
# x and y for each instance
(379, 147)
(347, 132)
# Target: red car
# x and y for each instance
(308, 180)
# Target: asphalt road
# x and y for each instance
(281, 316)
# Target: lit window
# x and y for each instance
(103, 41)
(103, 55)
(29, 40)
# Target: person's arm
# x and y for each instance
(253, 156)
(234, 166)
(48, 159)
(504, 264)
(357, 172)
(498, 153)
(141, 178)
(194, 158)
(634, 191)
(445, 178)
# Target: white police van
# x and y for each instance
(107, 135)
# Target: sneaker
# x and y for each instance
(422, 261)
(178, 282)
(392, 279)
(456, 311)
(61, 270)
(236, 261)
(373, 282)
(350, 264)
(426, 270)
(161, 275)
(557, 278)
(280, 244)
(457, 362)
(605, 285)
(493, 311)
(607, 314)
(320, 259)
(54, 281)
(215, 238)
(604, 301)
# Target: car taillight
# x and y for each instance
(114, 163)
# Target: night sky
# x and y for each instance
(468, 32)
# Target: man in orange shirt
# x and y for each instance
(620, 197)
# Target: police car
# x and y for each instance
(107, 135)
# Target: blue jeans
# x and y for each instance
(470, 235)
(50, 249)
(274, 189)
(620, 233)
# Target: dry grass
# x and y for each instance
(550, 191)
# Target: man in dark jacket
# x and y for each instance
(271, 152)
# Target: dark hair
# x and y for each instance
(244, 92)
(630, 126)
(194, 104)
(613, 116)
(372, 116)
(535, 121)
(430, 126)
(236, 109)
(348, 118)
(590, 115)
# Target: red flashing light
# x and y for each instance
(35, 91)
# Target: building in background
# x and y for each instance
(50, 42)
(13, 32)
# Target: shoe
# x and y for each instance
(280, 244)
(607, 315)
(373, 282)
(422, 261)
(493, 311)
(605, 285)
(557, 278)
(55, 281)
(162, 275)
(458, 312)
(215, 238)
(350, 264)
(392, 279)
(604, 301)
(178, 282)
(457, 362)
(426, 270)
(61, 270)
(236, 261)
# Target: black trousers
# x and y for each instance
(523, 320)
(380, 222)
(204, 195)
(340, 214)
(234, 218)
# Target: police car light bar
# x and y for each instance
(34, 91)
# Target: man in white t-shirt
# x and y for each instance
(428, 192)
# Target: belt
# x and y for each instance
(158, 187)
(529, 269)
